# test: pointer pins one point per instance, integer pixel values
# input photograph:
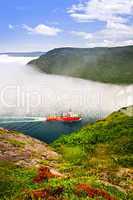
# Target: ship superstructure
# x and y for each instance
(65, 117)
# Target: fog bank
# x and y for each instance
(25, 91)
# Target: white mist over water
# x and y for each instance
(25, 91)
(12, 59)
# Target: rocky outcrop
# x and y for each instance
(93, 192)
(127, 110)
(45, 173)
(24, 150)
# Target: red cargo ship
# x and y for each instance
(65, 117)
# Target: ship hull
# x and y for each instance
(64, 119)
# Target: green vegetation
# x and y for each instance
(97, 158)
(109, 65)
(16, 184)
(109, 139)
(16, 143)
(14, 180)
(74, 154)
(104, 149)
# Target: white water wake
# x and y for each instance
(8, 120)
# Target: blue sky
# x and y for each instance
(32, 25)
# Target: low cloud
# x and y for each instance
(42, 29)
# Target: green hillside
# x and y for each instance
(109, 65)
(94, 163)
(103, 149)
(112, 136)
(29, 170)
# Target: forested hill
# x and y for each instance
(109, 65)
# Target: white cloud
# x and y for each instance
(10, 26)
(103, 10)
(114, 13)
(82, 34)
(108, 43)
(42, 29)
(115, 34)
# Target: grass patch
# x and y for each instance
(16, 143)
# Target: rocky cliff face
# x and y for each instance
(127, 110)
(26, 163)
(24, 150)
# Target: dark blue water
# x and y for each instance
(42, 130)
